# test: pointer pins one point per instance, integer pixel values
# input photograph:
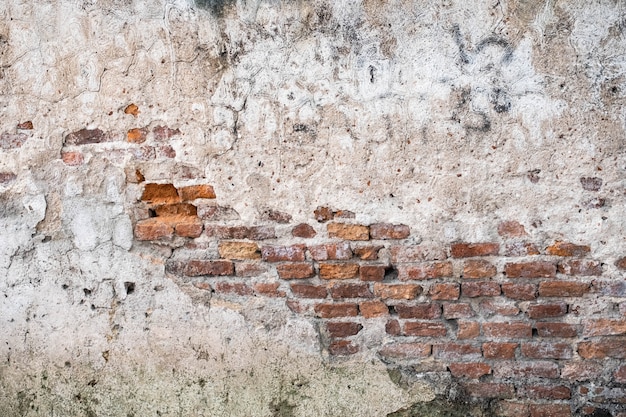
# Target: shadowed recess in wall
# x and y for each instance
(216, 7)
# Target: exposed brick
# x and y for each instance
(606, 348)
(542, 311)
(548, 329)
(342, 348)
(591, 183)
(423, 271)
(620, 374)
(580, 267)
(406, 350)
(420, 311)
(303, 230)
(550, 410)
(203, 286)
(563, 289)
(239, 250)
(402, 254)
(525, 370)
(80, 137)
(348, 231)
(160, 193)
(329, 311)
(309, 290)
(191, 227)
(445, 291)
(544, 350)
(343, 329)
(480, 289)
(457, 351)
(567, 249)
(292, 253)
(298, 307)
(545, 392)
(582, 371)
(343, 214)
(478, 268)
(467, 330)
(511, 228)
(539, 269)
(152, 229)
(621, 263)
(468, 250)
(137, 135)
(197, 268)
(269, 289)
(604, 327)
(489, 390)
(339, 271)
(606, 395)
(371, 309)
(323, 214)
(389, 231)
(72, 159)
(508, 330)
(27, 125)
(193, 192)
(250, 269)
(457, 311)
(424, 329)
(299, 270)
(175, 210)
(132, 109)
(497, 350)
(502, 308)
(276, 216)
(397, 291)
(511, 409)
(165, 151)
(162, 133)
(392, 327)
(473, 370)
(241, 232)
(523, 292)
(217, 213)
(367, 253)
(372, 272)
(236, 288)
(340, 291)
(520, 249)
(331, 251)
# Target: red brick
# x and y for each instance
(137, 135)
(605, 348)
(512, 409)
(292, 253)
(339, 271)
(457, 351)
(239, 250)
(303, 230)
(480, 289)
(544, 350)
(165, 151)
(175, 210)
(189, 228)
(491, 307)
(478, 268)
(72, 158)
(489, 390)
(542, 311)
(495, 350)
(420, 311)
(217, 213)
(468, 250)
(424, 329)
(393, 328)
(563, 289)
(424, 271)
(525, 370)
(250, 269)
(299, 270)
(241, 232)
(397, 291)
(467, 330)
(539, 269)
(27, 125)
(152, 229)
(276, 216)
(269, 289)
(582, 371)
(372, 272)
(323, 214)
(196, 268)
(580, 267)
(162, 133)
(367, 253)
(511, 228)
(446, 291)
(309, 290)
(329, 311)
(523, 292)
(567, 249)
(193, 192)
(402, 254)
(621, 263)
(620, 374)
(332, 251)
(604, 327)
(508, 330)
(545, 392)
(457, 311)
(389, 231)
(160, 193)
(236, 288)
(298, 307)
(521, 249)
(550, 410)
(548, 329)
(371, 309)
(343, 329)
(339, 291)
(348, 231)
(473, 370)
(342, 348)
(80, 137)
(406, 350)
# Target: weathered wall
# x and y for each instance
(309, 208)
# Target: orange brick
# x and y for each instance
(348, 231)
(152, 229)
(239, 250)
(329, 311)
(445, 291)
(604, 327)
(467, 250)
(298, 270)
(371, 309)
(189, 228)
(160, 193)
(567, 249)
(194, 192)
(132, 109)
(339, 271)
(397, 291)
(137, 135)
(478, 268)
(467, 330)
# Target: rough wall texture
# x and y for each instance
(312, 208)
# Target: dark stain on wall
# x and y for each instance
(216, 7)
